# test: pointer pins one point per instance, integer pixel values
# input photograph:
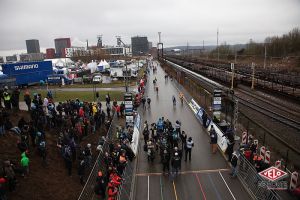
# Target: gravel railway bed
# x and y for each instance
(284, 126)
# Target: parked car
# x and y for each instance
(97, 79)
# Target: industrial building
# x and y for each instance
(27, 57)
(33, 46)
(117, 51)
(50, 53)
(11, 58)
(139, 45)
(60, 45)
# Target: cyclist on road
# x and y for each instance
(148, 101)
(174, 100)
(181, 97)
(144, 102)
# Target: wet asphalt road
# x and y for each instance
(204, 177)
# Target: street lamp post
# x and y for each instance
(119, 41)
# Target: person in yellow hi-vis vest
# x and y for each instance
(7, 98)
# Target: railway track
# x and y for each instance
(269, 113)
(268, 108)
(282, 106)
(280, 113)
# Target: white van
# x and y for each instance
(97, 79)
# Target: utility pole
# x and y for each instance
(119, 41)
(160, 44)
(187, 48)
(218, 43)
(253, 72)
(99, 42)
(265, 59)
(235, 55)
(236, 115)
(232, 75)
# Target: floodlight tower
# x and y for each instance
(119, 43)
(99, 43)
(160, 52)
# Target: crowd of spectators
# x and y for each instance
(69, 121)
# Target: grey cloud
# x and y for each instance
(179, 21)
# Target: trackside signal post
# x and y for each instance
(160, 47)
(128, 108)
(217, 104)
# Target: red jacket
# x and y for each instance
(112, 191)
(81, 112)
(115, 179)
(118, 108)
(2, 180)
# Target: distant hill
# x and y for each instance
(207, 48)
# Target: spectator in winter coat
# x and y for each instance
(165, 160)
(112, 192)
(213, 139)
(88, 155)
(45, 104)
(68, 162)
(176, 163)
(15, 99)
(81, 112)
(25, 164)
(118, 110)
(234, 161)
(7, 99)
(100, 186)
(27, 99)
(1, 97)
(230, 145)
(81, 169)
(183, 138)
(10, 175)
(188, 148)
(2, 188)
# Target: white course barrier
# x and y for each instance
(294, 180)
(268, 157)
(278, 164)
(244, 137)
(262, 152)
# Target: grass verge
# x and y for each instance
(83, 96)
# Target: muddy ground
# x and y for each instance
(52, 181)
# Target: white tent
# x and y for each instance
(103, 66)
(92, 66)
(106, 65)
(60, 62)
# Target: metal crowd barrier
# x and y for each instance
(253, 182)
(87, 192)
(125, 189)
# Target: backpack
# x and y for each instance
(175, 135)
(67, 151)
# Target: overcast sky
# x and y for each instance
(180, 21)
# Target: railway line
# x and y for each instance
(265, 79)
(277, 117)
(269, 113)
(277, 112)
